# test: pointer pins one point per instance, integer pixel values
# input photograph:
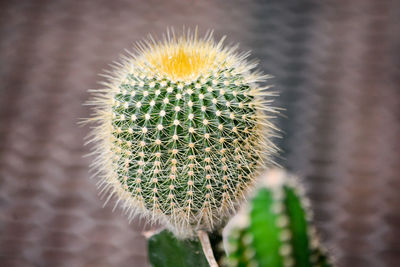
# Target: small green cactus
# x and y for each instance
(183, 129)
(165, 250)
(274, 229)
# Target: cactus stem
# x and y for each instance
(207, 249)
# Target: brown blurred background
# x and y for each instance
(336, 65)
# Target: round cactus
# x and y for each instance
(182, 130)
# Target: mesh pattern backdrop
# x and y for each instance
(336, 65)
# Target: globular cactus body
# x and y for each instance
(182, 132)
(275, 228)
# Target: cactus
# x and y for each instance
(167, 251)
(275, 228)
(183, 128)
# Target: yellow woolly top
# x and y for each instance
(183, 59)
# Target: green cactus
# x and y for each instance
(274, 229)
(183, 128)
(165, 250)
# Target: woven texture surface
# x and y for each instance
(336, 65)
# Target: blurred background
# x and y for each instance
(336, 65)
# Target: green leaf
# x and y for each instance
(167, 251)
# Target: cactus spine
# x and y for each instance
(182, 130)
(274, 230)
